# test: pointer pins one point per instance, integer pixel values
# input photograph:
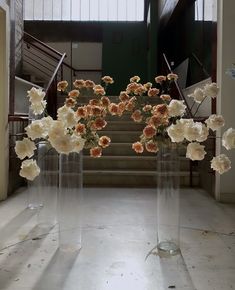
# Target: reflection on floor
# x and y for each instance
(119, 230)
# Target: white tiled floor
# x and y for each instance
(118, 233)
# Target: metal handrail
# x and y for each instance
(181, 95)
(42, 44)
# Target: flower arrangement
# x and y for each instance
(75, 128)
(166, 120)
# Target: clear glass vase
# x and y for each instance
(47, 185)
(70, 201)
(168, 199)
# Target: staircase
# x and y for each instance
(120, 165)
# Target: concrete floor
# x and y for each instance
(119, 231)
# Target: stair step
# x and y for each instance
(137, 162)
(130, 178)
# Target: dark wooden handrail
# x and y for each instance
(42, 44)
(181, 95)
(18, 117)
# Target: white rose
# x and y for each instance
(198, 95)
(25, 148)
(211, 90)
(176, 132)
(56, 130)
(36, 130)
(63, 144)
(176, 108)
(38, 108)
(221, 163)
(192, 131)
(214, 122)
(36, 95)
(78, 143)
(203, 134)
(195, 151)
(29, 169)
(228, 139)
(67, 116)
(47, 122)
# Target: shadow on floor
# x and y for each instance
(58, 269)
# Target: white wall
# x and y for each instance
(225, 184)
(4, 93)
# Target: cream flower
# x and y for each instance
(176, 108)
(195, 151)
(36, 130)
(211, 90)
(192, 131)
(107, 80)
(215, 122)
(221, 163)
(203, 133)
(29, 169)
(25, 148)
(38, 108)
(78, 143)
(176, 132)
(198, 95)
(56, 130)
(47, 122)
(67, 116)
(63, 144)
(36, 95)
(228, 139)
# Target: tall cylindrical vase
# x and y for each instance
(70, 201)
(48, 161)
(168, 199)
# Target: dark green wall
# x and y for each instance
(124, 53)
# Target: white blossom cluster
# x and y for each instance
(57, 132)
(197, 132)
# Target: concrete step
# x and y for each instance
(122, 136)
(128, 178)
(127, 163)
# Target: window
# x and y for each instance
(84, 10)
(205, 10)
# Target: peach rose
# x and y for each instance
(160, 79)
(96, 111)
(155, 121)
(89, 84)
(99, 90)
(148, 85)
(140, 90)
(94, 102)
(130, 106)
(147, 108)
(149, 131)
(153, 92)
(138, 147)
(61, 86)
(151, 146)
(136, 116)
(81, 112)
(172, 77)
(124, 97)
(99, 124)
(107, 80)
(135, 79)
(79, 84)
(113, 109)
(80, 128)
(121, 108)
(96, 151)
(131, 88)
(70, 102)
(104, 141)
(74, 94)
(105, 101)
(160, 109)
(165, 98)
